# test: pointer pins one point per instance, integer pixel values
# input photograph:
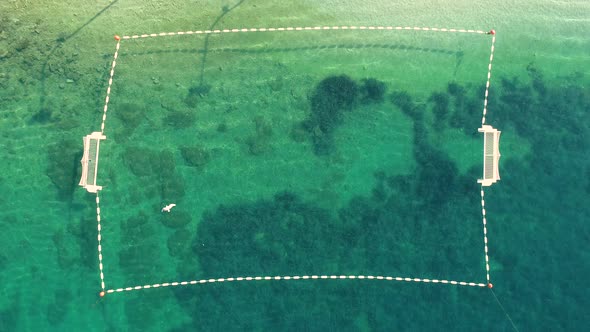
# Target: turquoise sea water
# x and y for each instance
(294, 153)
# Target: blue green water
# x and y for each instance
(289, 154)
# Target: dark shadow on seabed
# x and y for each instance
(225, 10)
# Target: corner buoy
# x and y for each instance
(490, 285)
(117, 38)
(101, 294)
(491, 32)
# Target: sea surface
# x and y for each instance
(322, 158)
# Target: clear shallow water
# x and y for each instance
(236, 120)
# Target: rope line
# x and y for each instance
(483, 120)
(485, 98)
(505, 312)
(99, 237)
(485, 237)
(294, 277)
(106, 102)
(304, 277)
(308, 28)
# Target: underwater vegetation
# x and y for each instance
(404, 102)
(437, 177)
(260, 239)
(75, 247)
(42, 116)
(10, 316)
(171, 183)
(160, 165)
(63, 167)
(453, 108)
(140, 160)
(276, 84)
(72, 244)
(440, 108)
(330, 99)
(65, 257)
(195, 156)
(58, 308)
(466, 108)
(140, 313)
(139, 236)
(131, 115)
(178, 219)
(179, 242)
(555, 121)
(372, 91)
(195, 93)
(83, 233)
(260, 141)
(63, 120)
(180, 119)
(298, 132)
(222, 127)
(3, 261)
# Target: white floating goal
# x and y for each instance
(491, 155)
(90, 161)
